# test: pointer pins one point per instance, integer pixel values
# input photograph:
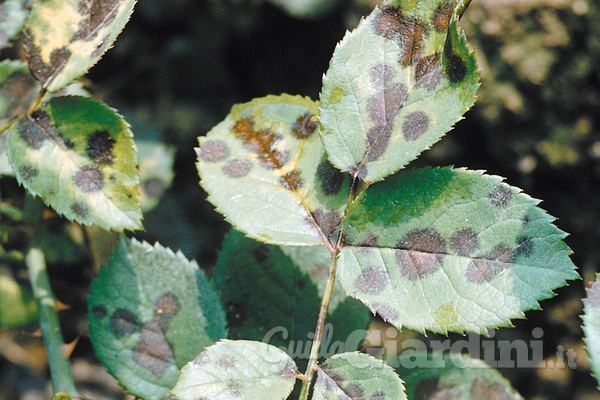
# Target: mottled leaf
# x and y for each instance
(64, 38)
(265, 169)
(395, 85)
(234, 370)
(151, 312)
(18, 89)
(591, 326)
(451, 376)
(12, 18)
(357, 376)
(79, 156)
(156, 171)
(451, 250)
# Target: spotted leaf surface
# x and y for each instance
(64, 38)
(591, 326)
(354, 376)
(151, 312)
(265, 169)
(18, 89)
(451, 376)
(395, 85)
(234, 370)
(451, 250)
(79, 156)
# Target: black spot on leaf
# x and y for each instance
(305, 126)
(489, 265)
(29, 172)
(442, 15)
(420, 253)
(372, 280)
(237, 168)
(201, 359)
(213, 151)
(235, 387)
(99, 13)
(31, 131)
(456, 69)
(415, 125)
(331, 178)
(388, 23)
(525, 246)
(501, 195)
(328, 221)
(292, 180)
(153, 352)
(370, 240)
(464, 242)
(167, 306)
(411, 39)
(226, 362)
(428, 72)
(80, 209)
(261, 142)
(98, 312)
(89, 179)
(123, 322)
(382, 75)
(44, 72)
(99, 147)
(354, 391)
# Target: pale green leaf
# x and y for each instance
(395, 85)
(265, 169)
(79, 156)
(64, 38)
(591, 326)
(12, 18)
(151, 312)
(451, 250)
(18, 89)
(156, 171)
(356, 376)
(451, 376)
(237, 370)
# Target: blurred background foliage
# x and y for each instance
(180, 65)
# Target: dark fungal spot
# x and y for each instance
(98, 312)
(226, 362)
(372, 280)
(359, 171)
(167, 306)
(354, 391)
(420, 253)
(489, 265)
(388, 23)
(415, 125)
(305, 126)
(387, 313)
(464, 242)
(123, 322)
(213, 151)
(237, 168)
(381, 75)
(501, 195)
(456, 70)
(378, 396)
(201, 359)
(29, 172)
(370, 240)
(261, 142)
(101, 47)
(235, 387)
(593, 294)
(525, 246)
(99, 147)
(482, 389)
(153, 352)
(43, 72)
(89, 179)
(327, 221)
(331, 178)
(99, 13)
(386, 104)
(292, 180)
(32, 131)
(442, 15)
(428, 71)
(411, 39)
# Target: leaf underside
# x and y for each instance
(462, 251)
(237, 370)
(151, 312)
(79, 156)
(591, 326)
(395, 85)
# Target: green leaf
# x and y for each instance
(354, 376)
(451, 250)
(13, 14)
(18, 89)
(265, 169)
(451, 376)
(156, 171)
(151, 312)
(17, 307)
(64, 38)
(234, 370)
(79, 156)
(591, 325)
(395, 85)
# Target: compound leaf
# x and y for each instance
(354, 376)
(264, 168)
(451, 376)
(451, 250)
(395, 85)
(234, 370)
(79, 156)
(591, 326)
(64, 38)
(151, 312)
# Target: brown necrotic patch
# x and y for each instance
(354, 391)
(99, 147)
(482, 389)
(489, 265)
(261, 142)
(201, 359)
(80, 209)
(226, 362)
(372, 280)
(237, 168)
(420, 253)
(305, 126)
(382, 75)
(37, 127)
(99, 13)
(411, 39)
(213, 151)
(235, 387)
(98, 312)
(415, 125)
(43, 72)
(89, 179)
(330, 177)
(292, 180)
(442, 15)
(593, 294)
(386, 312)
(428, 72)
(383, 108)
(370, 240)
(123, 322)
(378, 396)
(327, 221)
(388, 23)
(153, 352)
(167, 306)
(501, 195)
(464, 242)
(29, 171)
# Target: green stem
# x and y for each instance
(60, 367)
(316, 344)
